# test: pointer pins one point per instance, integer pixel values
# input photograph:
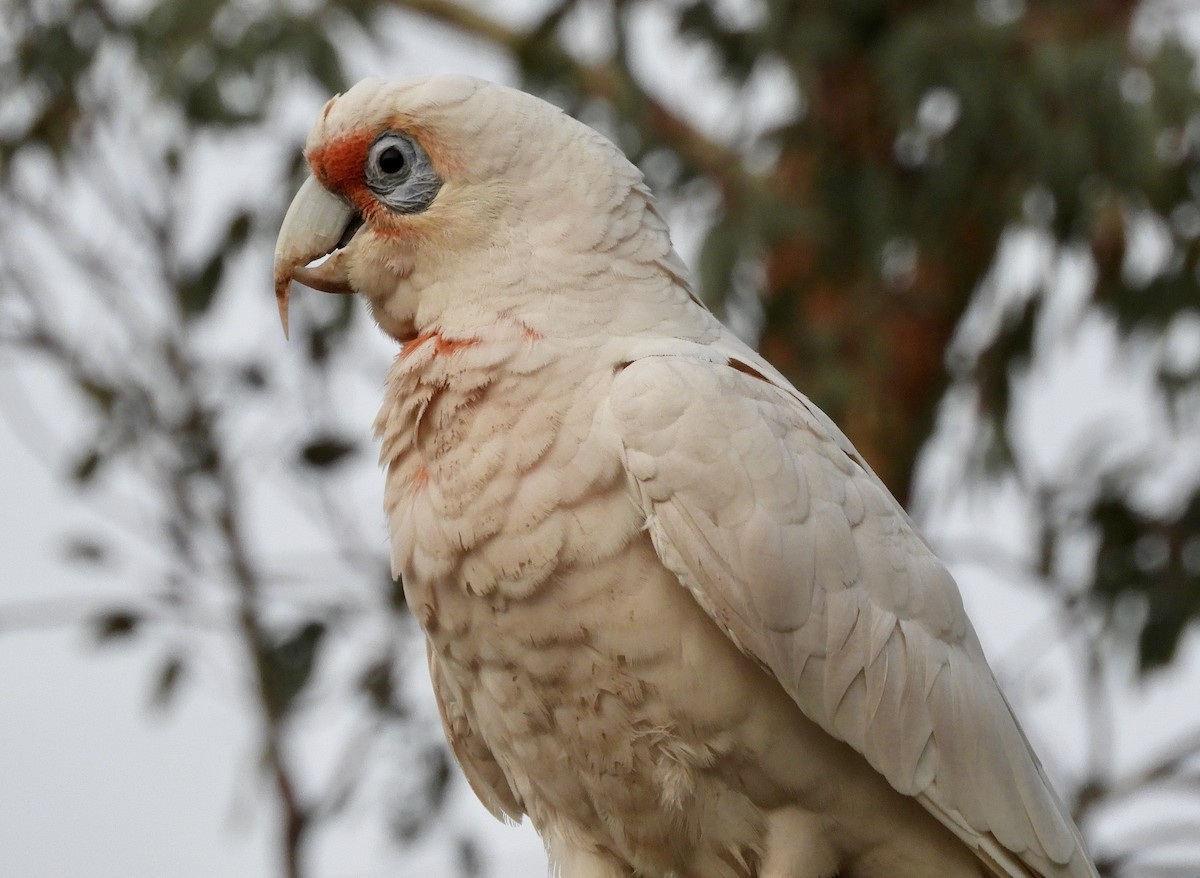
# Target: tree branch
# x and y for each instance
(610, 82)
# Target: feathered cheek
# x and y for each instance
(392, 301)
(389, 225)
(383, 269)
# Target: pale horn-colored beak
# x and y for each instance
(316, 224)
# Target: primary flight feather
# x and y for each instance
(671, 614)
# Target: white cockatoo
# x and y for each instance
(672, 615)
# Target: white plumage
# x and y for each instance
(672, 615)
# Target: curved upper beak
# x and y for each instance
(316, 224)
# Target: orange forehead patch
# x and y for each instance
(339, 163)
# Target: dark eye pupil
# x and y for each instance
(391, 160)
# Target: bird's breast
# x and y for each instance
(495, 466)
(526, 560)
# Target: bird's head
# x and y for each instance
(438, 188)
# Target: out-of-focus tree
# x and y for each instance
(862, 235)
(146, 154)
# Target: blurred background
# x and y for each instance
(969, 230)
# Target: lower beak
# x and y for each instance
(316, 224)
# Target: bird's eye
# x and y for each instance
(399, 172)
(391, 160)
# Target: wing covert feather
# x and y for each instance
(762, 509)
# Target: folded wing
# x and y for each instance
(765, 513)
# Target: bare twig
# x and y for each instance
(1167, 767)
